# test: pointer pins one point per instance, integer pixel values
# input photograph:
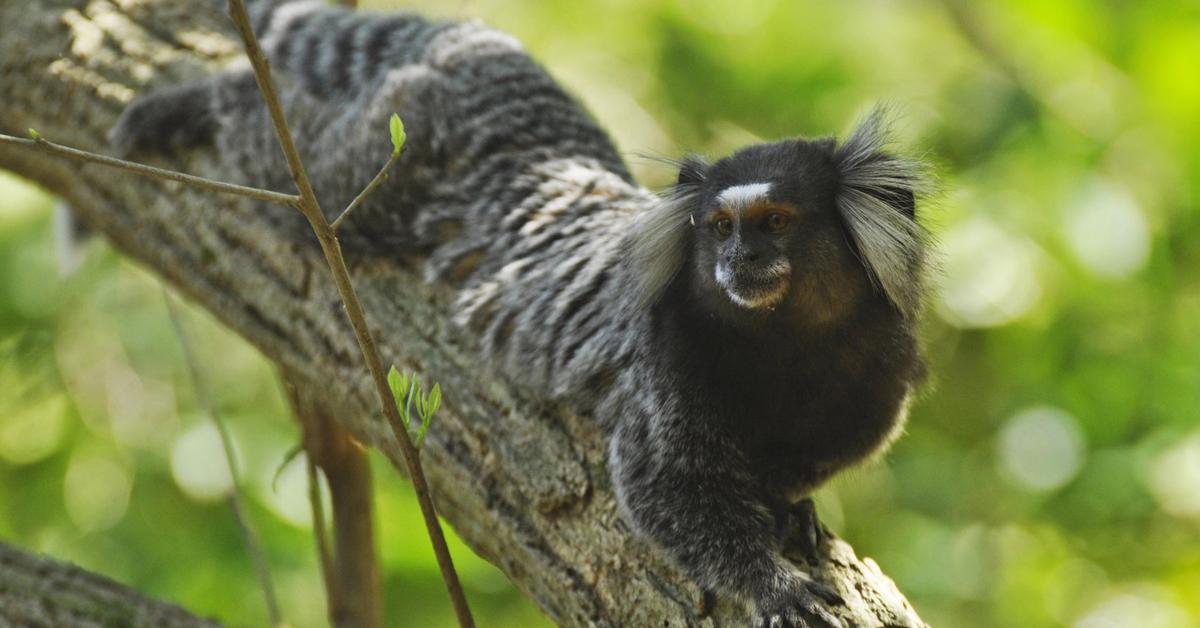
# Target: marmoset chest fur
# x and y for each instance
(740, 338)
(801, 399)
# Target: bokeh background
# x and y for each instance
(1051, 472)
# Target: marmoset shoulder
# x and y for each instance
(740, 338)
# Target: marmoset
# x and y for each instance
(740, 338)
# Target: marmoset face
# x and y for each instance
(748, 239)
(767, 232)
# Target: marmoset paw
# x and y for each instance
(800, 606)
(159, 122)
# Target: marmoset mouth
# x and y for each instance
(755, 288)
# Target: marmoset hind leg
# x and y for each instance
(341, 75)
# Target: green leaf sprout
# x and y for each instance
(407, 392)
(398, 135)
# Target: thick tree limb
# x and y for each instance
(40, 592)
(522, 482)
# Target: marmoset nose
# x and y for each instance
(742, 256)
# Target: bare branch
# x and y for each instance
(319, 534)
(353, 306)
(376, 182)
(150, 171)
(236, 500)
(38, 591)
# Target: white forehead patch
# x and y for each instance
(744, 194)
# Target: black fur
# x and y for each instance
(754, 407)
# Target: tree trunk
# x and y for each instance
(38, 592)
(523, 483)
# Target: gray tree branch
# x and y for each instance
(522, 481)
(38, 592)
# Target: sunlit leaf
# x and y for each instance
(398, 135)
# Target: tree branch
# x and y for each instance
(522, 481)
(205, 399)
(42, 143)
(362, 196)
(351, 571)
(354, 309)
(37, 591)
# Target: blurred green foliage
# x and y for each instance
(1050, 475)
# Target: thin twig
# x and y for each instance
(45, 145)
(354, 310)
(307, 203)
(376, 182)
(322, 537)
(236, 504)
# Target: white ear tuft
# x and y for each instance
(876, 197)
(658, 245)
(659, 241)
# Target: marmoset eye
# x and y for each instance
(777, 222)
(723, 227)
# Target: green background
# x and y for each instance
(1051, 472)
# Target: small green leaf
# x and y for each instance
(398, 135)
(435, 399)
(34, 134)
(428, 405)
(396, 383)
(426, 420)
(407, 392)
(421, 406)
(408, 399)
(399, 383)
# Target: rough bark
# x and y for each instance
(38, 592)
(522, 481)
